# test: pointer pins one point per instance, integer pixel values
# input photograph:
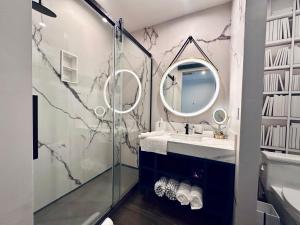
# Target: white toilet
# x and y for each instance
(281, 181)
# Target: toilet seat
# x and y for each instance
(292, 199)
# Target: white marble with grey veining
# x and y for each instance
(164, 41)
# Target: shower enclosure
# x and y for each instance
(93, 85)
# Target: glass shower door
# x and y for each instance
(72, 58)
(132, 85)
(93, 90)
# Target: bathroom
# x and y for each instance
(149, 112)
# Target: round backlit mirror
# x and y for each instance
(220, 116)
(125, 100)
(189, 87)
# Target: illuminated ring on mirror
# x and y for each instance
(225, 116)
(139, 92)
(211, 102)
(99, 115)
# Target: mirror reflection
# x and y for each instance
(189, 87)
(220, 116)
(124, 80)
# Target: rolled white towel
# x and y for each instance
(151, 134)
(196, 198)
(183, 194)
(107, 221)
(160, 186)
(171, 189)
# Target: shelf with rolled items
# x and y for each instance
(215, 179)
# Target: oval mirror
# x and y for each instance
(189, 87)
(220, 116)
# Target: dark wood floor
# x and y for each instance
(140, 209)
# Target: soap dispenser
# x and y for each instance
(160, 125)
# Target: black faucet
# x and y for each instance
(187, 128)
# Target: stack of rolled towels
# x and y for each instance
(183, 192)
(160, 186)
(196, 200)
(171, 189)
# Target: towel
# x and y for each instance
(160, 186)
(171, 189)
(151, 134)
(183, 194)
(196, 198)
(156, 144)
(107, 221)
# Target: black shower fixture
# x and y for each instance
(42, 9)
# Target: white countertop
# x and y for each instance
(207, 142)
(201, 146)
(219, 150)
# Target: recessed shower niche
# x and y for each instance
(68, 67)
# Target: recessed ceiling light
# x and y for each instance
(104, 20)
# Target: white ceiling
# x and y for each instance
(138, 14)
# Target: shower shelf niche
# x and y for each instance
(68, 67)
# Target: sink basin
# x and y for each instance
(186, 137)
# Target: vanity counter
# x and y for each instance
(209, 148)
(200, 146)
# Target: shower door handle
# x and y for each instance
(35, 142)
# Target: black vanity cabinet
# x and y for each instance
(214, 177)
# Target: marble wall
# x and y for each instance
(164, 41)
(75, 145)
(236, 63)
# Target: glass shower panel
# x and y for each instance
(132, 110)
(72, 59)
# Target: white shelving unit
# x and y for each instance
(274, 68)
(280, 16)
(274, 117)
(275, 92)
(279, 42)
(272, 148)
(283, 121)
(68, 67)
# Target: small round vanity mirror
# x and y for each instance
(220, 116)
(99, 111)
(189, 87)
